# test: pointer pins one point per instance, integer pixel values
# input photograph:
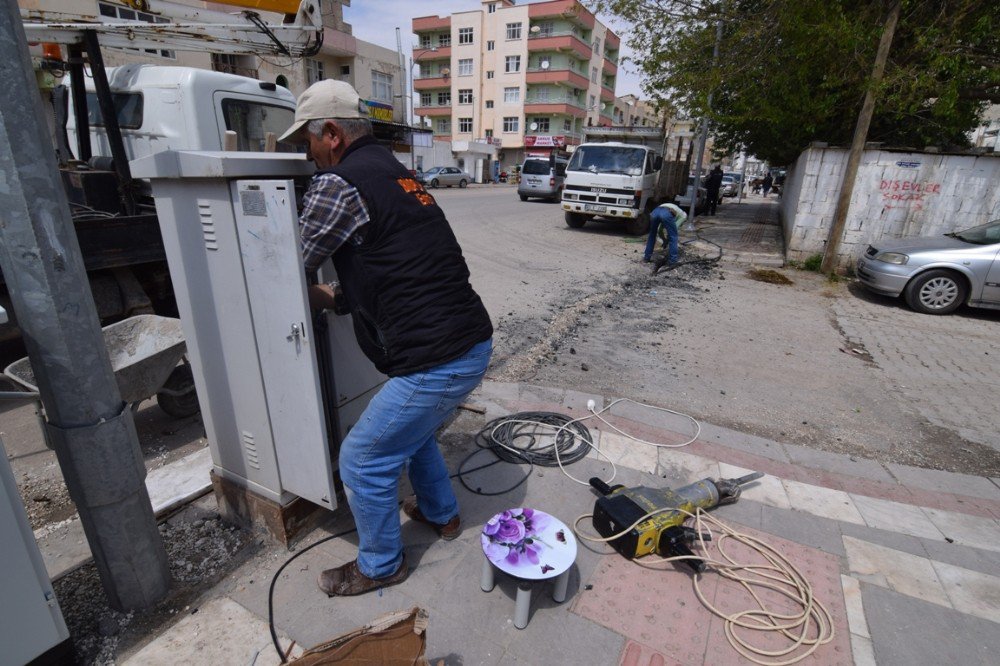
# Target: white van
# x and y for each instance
(542, 177)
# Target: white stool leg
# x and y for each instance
(486, 582)
(522, 605)
(559, 587)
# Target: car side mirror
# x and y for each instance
(657, 163)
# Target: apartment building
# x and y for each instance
(524, 78)
(373, 70)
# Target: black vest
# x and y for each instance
(406, 283)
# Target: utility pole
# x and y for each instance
(858, 143)
(703, 139)
(89, 426)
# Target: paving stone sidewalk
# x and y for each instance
(906, 560)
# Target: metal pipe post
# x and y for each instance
(90, 428)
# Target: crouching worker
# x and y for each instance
(665, 218)
(405, 281)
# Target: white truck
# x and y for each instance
(618, 173)
(151, 108)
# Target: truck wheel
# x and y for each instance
(524, 197)
(575, 220)
(179, 406)
(638, 225)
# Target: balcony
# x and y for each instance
(560, 41)
(431, 82)
(610, 68)
(570, 10)
(568, 106)
(539, 75)
(612, 41)
(607, 94)
(433, 110)
(427, 54)
(425, 23)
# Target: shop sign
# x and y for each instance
(544, 141)
(379, 110)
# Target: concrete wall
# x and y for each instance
(896, 194)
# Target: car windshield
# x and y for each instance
(536, 167)
(608, 159)
(986, 234)
(433, 170)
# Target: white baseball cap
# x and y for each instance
(326, 99)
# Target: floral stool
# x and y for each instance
(529, 545)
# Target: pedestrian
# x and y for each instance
(668, 217)
(403, 277)
(766, 185)
(712, 185)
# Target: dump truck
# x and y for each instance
(105, 117)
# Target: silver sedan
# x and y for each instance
(445, 176)
(935, 275)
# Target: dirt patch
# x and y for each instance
(768, 275)
(201, 550)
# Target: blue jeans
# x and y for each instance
(397, 429)
(666, 218)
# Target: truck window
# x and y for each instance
(252, 121)
(127, 105)
(536, 167)
(608, 159)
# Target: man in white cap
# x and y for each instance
(404, 279)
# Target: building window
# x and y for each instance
(511, 124)
(465, 67)
(465, 125)
(593, 75)
(132, 15)
(425, 41)
(597, 46)
(488, 133)
(425, 99)
(513, 64)
(593, 104)
(465, 96)
(491, 8)
(444, 98)
(514, 30)
(541, 125)
(444, 126)
(511, 95)
(345, 70)
(489, 104)
(567, 125)
(314, 71)
(490, 45)
(545, 29)
(542, 94)
(444, 39)
(381, 86)
(489, 73)
(465, 35)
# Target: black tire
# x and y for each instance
(524, 197)
(462, 183)
(637, 226)
(179, 406)
(936, 292)
(575, 220)
(434, 182)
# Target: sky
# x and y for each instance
(376, 21)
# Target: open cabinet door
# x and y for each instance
(268, 231)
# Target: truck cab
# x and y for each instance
(184, 108)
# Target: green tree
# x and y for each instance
(795, 71)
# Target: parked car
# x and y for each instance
(729, 186)
(937, 274)
(445, 176)
(684, 200)
(541, 178)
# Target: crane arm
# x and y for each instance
(182, 28)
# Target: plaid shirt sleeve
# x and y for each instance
(332, 212)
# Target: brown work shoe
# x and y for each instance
(347, 580)
(448, 531)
